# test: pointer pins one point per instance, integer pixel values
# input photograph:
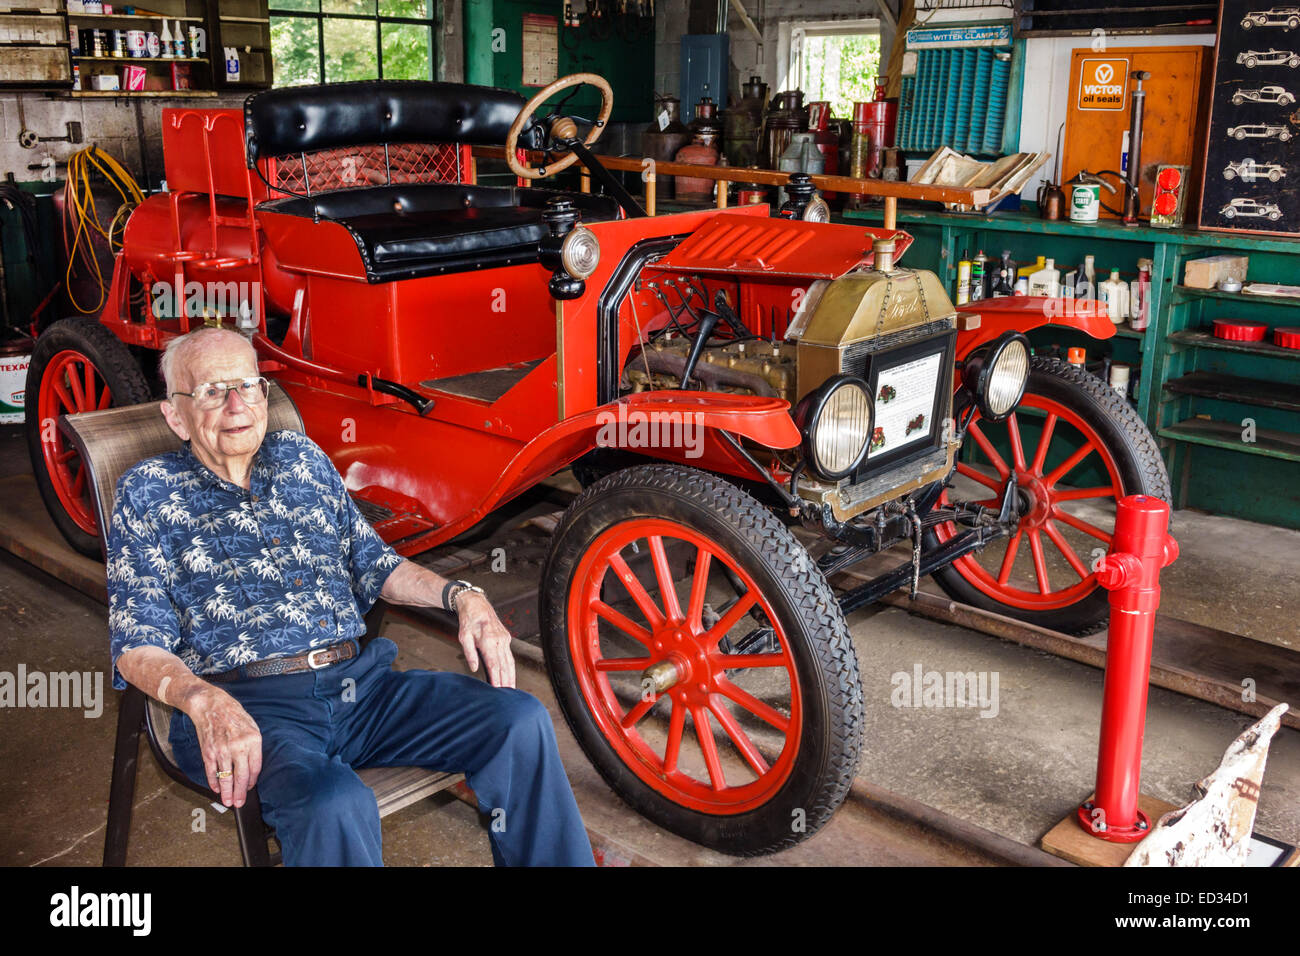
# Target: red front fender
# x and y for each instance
(1022, 313)
(762, 419)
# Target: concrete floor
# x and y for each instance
(1016, 774)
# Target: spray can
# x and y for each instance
(963, 279)
(978, 267)
(1077, 357)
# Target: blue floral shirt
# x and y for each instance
(221, 575)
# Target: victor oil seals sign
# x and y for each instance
(1103, 84)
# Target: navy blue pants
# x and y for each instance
(317, 726)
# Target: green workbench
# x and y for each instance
(1227, 414)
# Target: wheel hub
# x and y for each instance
(685, 660)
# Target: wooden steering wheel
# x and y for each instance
(558, 128)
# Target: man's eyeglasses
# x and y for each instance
(212, 395)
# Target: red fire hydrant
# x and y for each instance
(1140, 547)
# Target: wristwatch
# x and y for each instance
(452, 592)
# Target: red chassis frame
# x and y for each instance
(470, 455)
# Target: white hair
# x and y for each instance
(178, 350)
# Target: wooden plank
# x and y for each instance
(1227, 435)
(28, 532)
(768, 177)
(1187, 658)
(1205, 340)
(1070, 841)
(398, 787)
(1234, 388)
(1241, 298)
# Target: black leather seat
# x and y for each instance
(406, 231)
(428, 228)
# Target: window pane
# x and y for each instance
(412, 9)
(350, 51)
(308, 6)
(295, 51)
(364, 8)
(841, 68)
(406, 52)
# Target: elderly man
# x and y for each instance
(239, 570)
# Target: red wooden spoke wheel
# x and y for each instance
(701, 659)
(77, 366)
(675, 642)
(1074, 445)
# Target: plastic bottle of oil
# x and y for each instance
(1046, 281)
(1114, 292)
(1030, 269)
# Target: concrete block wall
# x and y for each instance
(115, 124)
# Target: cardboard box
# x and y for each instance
(104, 81)
(133, 77)
(1206, 273)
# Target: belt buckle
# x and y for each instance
(311, 658)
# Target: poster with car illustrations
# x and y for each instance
(1252, 181)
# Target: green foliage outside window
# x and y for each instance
(353, 48)
(842, 69)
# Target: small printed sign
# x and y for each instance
(1103, 84)
(947, 37)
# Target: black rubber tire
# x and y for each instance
(826, 664)
(1141, 469)
(115, 365)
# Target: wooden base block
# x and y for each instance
(1070, 841)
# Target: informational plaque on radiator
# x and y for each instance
(905, 404)
(541, 48)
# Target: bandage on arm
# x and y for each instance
(161, 674)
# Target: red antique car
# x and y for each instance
(710, 376)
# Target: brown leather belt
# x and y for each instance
(312, 660)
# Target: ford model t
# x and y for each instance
(754, 405)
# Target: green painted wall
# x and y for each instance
(628, 64)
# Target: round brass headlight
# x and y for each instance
(837, 420)
(997, 375)
(580, 252)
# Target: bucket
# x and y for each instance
(15, 356)
(1085, 202)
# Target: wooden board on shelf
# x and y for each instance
(1229, 436)
(1235, 388)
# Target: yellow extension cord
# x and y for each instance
(79, 204)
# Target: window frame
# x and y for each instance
(432, 22)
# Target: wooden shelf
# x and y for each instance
(244, 19)
(180, 93)
(1233, 388)
(1241, 298)
(145, 59)
(130, 16)
(1199, 339)
(1227, 436)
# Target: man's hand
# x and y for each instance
(229, 740)
(483, 634)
